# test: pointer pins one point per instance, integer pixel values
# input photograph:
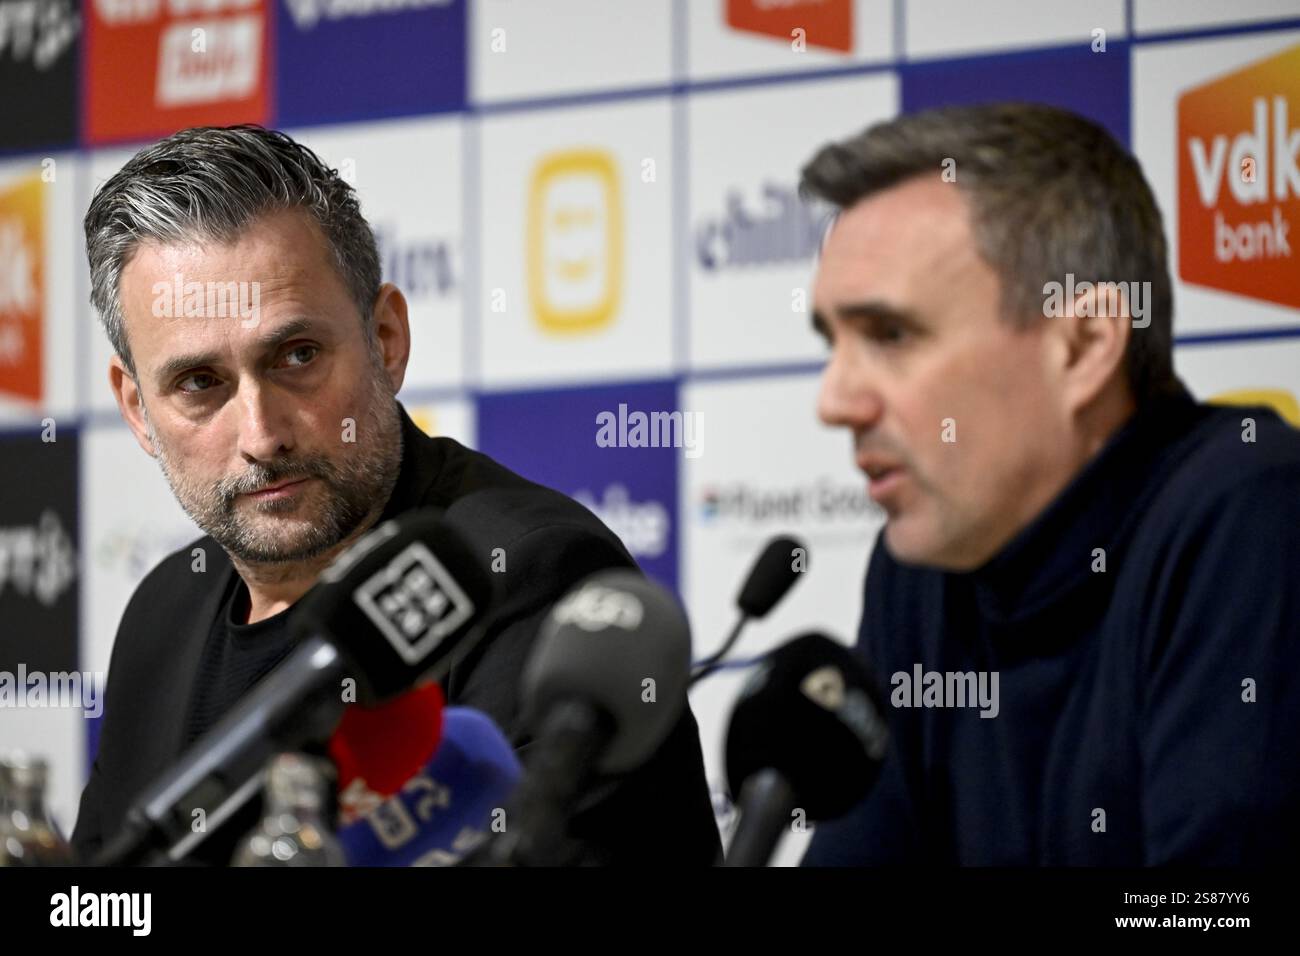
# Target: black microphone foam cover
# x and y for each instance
(772, 575)
(399, 603)
(813, 712)
(600, 644)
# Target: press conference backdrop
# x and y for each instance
(591, 206)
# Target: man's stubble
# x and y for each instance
(355, 490)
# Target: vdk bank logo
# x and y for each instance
(21, 284)
(1239, 181)
(575, 241)
(825, 23)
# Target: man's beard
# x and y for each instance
(353, 490)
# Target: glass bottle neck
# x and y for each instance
(29, 801)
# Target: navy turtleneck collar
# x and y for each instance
(1052, 557)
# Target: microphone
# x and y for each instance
(769, 580)
(808, 731)
(442, 813)
(603, 687)
(387, 614)
(376, 750)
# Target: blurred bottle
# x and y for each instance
(28, 834)
(295, 829)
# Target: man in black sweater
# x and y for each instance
(1084, 601)
(274, 420)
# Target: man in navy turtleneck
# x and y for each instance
(1085, 604)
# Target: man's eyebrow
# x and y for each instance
(872, 310)
(876, 310)
(282, 334)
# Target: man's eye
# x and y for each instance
(198, 382)
(300, 356)
(890, 333)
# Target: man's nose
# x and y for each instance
(846, 396)
(264, 426)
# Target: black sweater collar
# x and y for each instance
(418, 471)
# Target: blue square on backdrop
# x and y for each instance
(550, 436)
(1095, 85)
(337, 64)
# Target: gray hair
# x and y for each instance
(209, 183)
(1051, 193)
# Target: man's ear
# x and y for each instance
(392, 329)
(1094, 337)
(127, 392)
